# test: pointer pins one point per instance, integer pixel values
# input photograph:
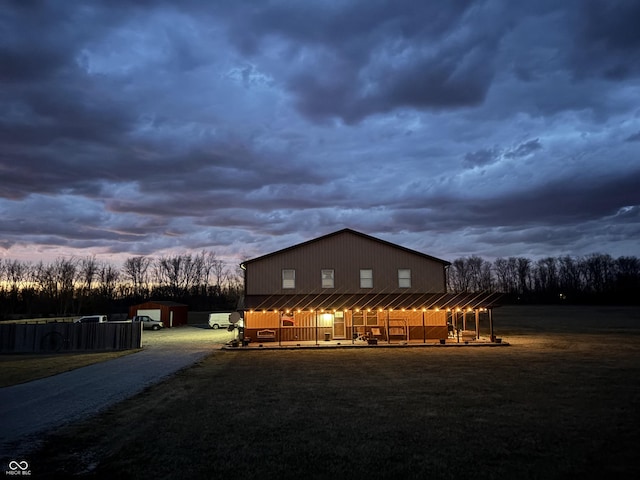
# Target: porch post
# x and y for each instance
(353, 340)
(388, 334)
(454, 318)
(477, 323)
(316, 314)
(490, 312)
(464, 319)
(280, 328)
(424, 330)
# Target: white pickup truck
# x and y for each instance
(92, 319)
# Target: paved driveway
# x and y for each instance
(29, 409)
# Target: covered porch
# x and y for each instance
(357, 320)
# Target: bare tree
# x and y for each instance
(109, 277)
(87, 270)
(136, 270)
(178, 273)
(56, 282)
(16, 273)
(459, 275)
(600, 271)
(524, 274)
(220, 276)
(235, 282)
(480, 274)
(570, 275)
(546, 275)
(506, 273)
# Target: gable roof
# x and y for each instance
(341, 232)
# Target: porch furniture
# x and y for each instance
(468, 335)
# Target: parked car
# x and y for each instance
(148, 323)
(92, 319)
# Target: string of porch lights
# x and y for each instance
(358, 310)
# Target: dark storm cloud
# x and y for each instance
(363, 61)
(144, 126)
(562, 202)
(609, 39)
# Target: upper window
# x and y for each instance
(288, 278)
(404, 278)
(327, 279)
(366, 278)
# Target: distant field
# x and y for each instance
(516, 320)
(563, 401)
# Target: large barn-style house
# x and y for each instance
(349, 287)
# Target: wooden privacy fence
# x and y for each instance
(69, 337)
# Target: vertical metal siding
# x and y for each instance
(346, 254)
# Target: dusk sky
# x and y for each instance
(455, 128)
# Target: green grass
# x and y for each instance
(563, 401)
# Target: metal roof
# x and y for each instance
(371, 301)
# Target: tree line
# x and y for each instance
(76, 286)
(594, 278)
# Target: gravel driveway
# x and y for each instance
(32, 408)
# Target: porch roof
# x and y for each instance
(370, 300)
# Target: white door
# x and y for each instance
(153, 313)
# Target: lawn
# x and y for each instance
(20, 368)
(563, 401)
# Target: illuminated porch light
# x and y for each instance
(458, 309)
(436, 309)
(381, 310)
(357, 310)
